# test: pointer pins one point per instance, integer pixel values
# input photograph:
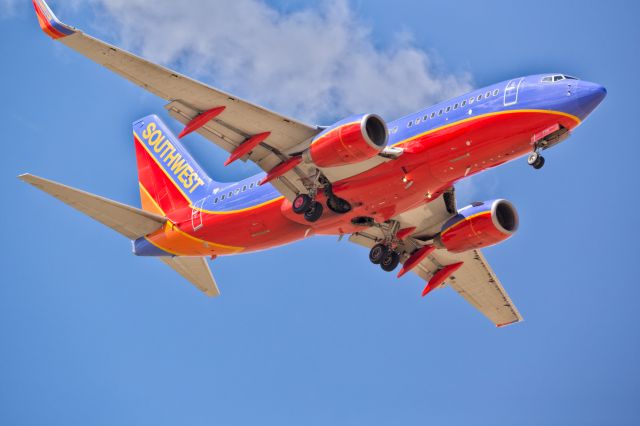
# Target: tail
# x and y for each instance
(129, 221)
(169, 178)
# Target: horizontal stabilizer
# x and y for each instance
(196, 271)
(129, 221)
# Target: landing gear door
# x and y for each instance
(511, 91)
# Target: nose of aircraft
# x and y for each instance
(590, 94)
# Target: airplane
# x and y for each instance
(388, 186)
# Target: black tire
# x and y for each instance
(539, 163)
(338, 205)
(314, 212)
(390, 261)
(377, 253)
(301, 203)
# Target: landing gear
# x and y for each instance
(301, 203)
(377, 253)
(307, 205)
(314, 212)
(386, 252)
(535, 160)
(390, 261)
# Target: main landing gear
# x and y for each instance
(535, 160)
(385, 256)
(312, 210)
(385, 253)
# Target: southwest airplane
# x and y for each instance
(388, 186)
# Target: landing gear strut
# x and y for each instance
(385, 253)
(307, 205)
(535, 160)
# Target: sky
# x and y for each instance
(312, 333)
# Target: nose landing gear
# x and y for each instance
(535, 160)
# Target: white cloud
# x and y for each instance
(316, 64)
(8, 7)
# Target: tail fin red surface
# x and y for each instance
(169, 177)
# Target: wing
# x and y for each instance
(129, 221)
(224, 119)
(196, 271)
(474, 280)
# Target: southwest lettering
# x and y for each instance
(170, 155)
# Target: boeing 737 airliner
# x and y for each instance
(388, 186)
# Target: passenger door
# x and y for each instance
(511, 91)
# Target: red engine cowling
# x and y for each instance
(349, 141)
(479, 225)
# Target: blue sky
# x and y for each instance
(312, 333)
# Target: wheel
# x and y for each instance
(390, 261)
(377, 253)
(532, 158)
(338, 205)
(314, 212)
(301, 203)
(539, 163)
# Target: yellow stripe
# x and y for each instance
(515, 111)
(178, 230)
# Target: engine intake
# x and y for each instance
(349, 141)
(479, 225)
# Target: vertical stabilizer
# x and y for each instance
(169, 177)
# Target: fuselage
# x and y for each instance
(457, 138)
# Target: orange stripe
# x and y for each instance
(46, 25)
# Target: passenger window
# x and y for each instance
(448, 109)
(417, 121)
(244, 188)
(251, 186)
(495, 92)
(409, 124)
(433, 114)
(440, 112)
(237, 191)
(479, 98)
(455, 106)
(486, 95)
(230, 194)
(215, 201)
(425, 118)
(223, 197)
(471, 100)
(463, 104)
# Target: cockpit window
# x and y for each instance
(559, 77)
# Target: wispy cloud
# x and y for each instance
(317, 64)
(8, 8)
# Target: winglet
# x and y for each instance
(49, 23)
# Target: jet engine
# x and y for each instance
(481, 224)
(348, 141)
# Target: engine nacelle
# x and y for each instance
(349, 141)
(479, 225)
